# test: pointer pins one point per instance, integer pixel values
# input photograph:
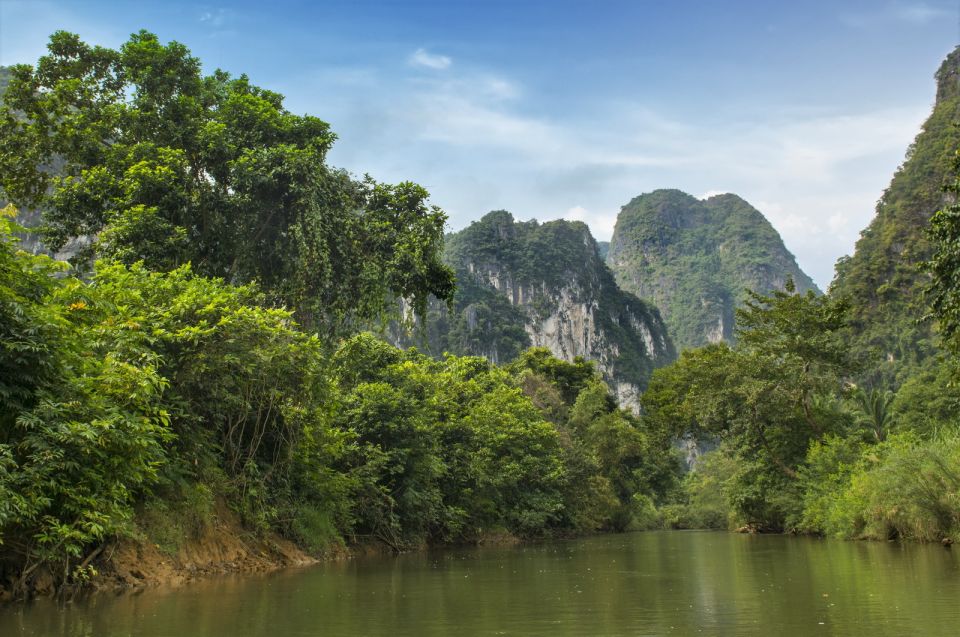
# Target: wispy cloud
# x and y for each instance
(217, 18)
(898, 13)
(601, 223)
(219, 22)
(478, 142)
(919, 13)
(423, 58)
(712, 193)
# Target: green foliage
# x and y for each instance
(906, 487)
(875, 410)
(705, 499)
(929, 400)
(893, 473)
(568, 378)
(769, 397)
(943, 291)
(83, 429)
(634, 459)
(168, 392)
(163, 165)
(696, 259)
(882, 281)
(803, 449)
(827, 473)
(82, 453)
(449, 450)
(315, 528)
(29, 326)
(138, 382)
(446, 450)
(180, 515)
(519, 469)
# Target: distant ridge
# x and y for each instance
(694, 259)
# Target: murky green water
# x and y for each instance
(662, 583)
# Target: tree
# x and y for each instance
(874, 406)
(29, 326)
(82, 426)
(165, 165)
(943, 291)
(767, 395)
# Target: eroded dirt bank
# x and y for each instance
(222, 547)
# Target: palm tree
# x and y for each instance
(874, 406)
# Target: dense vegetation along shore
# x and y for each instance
(160, 374)
(206, 357)
(839, 415)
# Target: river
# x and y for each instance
(656, 583)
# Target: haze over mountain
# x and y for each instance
(695, 258)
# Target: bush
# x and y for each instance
(181, 514)
(314, 528)
(705, 502)
(906, 487)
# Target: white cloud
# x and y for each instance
(500, 88)
(462, 121)
(919, 13)
(838, 223)
(712, 193)
(421, 57)
(600, 223)
(898, 13)
(476, 141)
(216, 18)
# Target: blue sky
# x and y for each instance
(569, 109)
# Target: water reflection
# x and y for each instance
(663, 583)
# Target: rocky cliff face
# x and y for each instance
(523, 284)
(694, 259)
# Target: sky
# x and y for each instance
(557, 109)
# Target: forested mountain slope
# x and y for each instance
(882, 280)
(695, 258)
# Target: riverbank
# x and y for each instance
(227, 548)
(221, 547)
(657, 582)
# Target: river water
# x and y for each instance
(656, 583)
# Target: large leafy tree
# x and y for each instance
(159, 163)
(944, 289)
(770, 396)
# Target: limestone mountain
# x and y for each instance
(882, 280)
(523, 284)
(695, 258)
